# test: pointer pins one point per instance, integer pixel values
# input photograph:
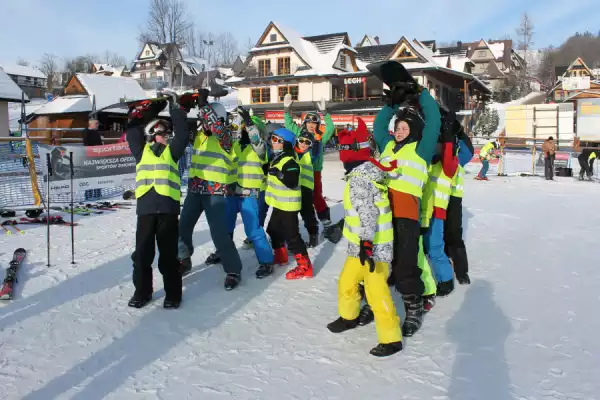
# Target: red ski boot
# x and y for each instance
(303, 270)
(281, 256)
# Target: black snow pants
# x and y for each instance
(283, 228)
(453, 231)
(161, 230)
(586, 168)
(549, 167)
(405, 266)
(309, 216)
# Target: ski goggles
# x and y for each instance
(276, 139)
(305, 141)
(356, 146)
(312, 118)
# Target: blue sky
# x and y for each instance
(73, 27)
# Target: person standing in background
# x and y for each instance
(549, 149)
(91, 137)
(586, 162)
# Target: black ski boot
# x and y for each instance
(445, 288)
(366, 315)
(387, 349)
(313, 241)
(138, 300)
(185, 266)
(264, 270)
(232, 281)
(413, 305)
(463, 279)
(170, 304)
(213, 258)
(333, 232)
(341, 325)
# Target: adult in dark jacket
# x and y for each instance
(586, 162)
(158, 193)
(91, 137)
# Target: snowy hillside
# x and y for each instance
(526, 329)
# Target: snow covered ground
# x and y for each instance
(526, 329)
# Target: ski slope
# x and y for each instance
(526, 329)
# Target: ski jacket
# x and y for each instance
(486, 151)
(283, 191)
(366, 196)
(318, 148)
(152, 202)
(549, 148)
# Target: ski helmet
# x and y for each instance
(220, 110)
(158, 127)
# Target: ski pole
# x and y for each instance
(72, 225)
(48, 208)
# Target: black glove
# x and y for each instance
(276, 173)
(366, 254)
(202, 98)
(448, 131)
(187, 101)
(401, 93)
(245, 114)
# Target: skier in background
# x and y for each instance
(586, 162)
(158, 193)
(549, 150)
(312, 123)
(370, 234)
(91, 137)
(411, 143)
(304, 142)
(209, 178)
(485, 154)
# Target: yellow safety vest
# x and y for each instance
(411, 174)
(458, 188)
(210, 162)
(384, 233)
(307, 178)
(280, 196)
(592, 156)
(436, 193)
(485, 150)
(160, 173)
(249, 172)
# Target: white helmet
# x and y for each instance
(158, 127)
(220, 111)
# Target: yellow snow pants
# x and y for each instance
(426, 276)
(378, 294)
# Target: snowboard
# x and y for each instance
(392, 73)
(6, 292)
(126, 105)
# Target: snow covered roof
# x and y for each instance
(497, 49)
(9, 91)
(110, 89)
(243, 58)
(66, 104)
(22, 70)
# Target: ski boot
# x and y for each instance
(281, 256)
(341, 325)
(247, 244)
(171, 304)
(386, 349)
(185, 266)
(139, 300)
(304, 268)
(366, 316)
(428, 303)
(463, 279)
(413, 305)
(264, 270)
(445, 288)
(232, 281)
(333, 232)
(213, 258)
(313, 241)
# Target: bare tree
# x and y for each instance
(49, 67)
(191, 41)
(525, 34)
(169, 26)
(226, 48)
(249, 45)
(113, 59)
(23, 62)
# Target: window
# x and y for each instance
(342, 61)
(283, 66)
(292, 90)
(143, 76)
(153, 75)
(147, 53)
(264, 67)
(273, 37)
(481, 53)
(261, 95)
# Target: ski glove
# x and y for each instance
(287, 101)
(245, 116)
(188, 101)
(202, 99)
(366, 254)
(276, 173)
(322, 106)
(172, 97)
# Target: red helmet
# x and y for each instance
(355, 145)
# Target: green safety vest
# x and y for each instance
(160, 173)
(458, 188)
(384, 233)
(280, 196)
(307, 177)
(485, 150)
(411, 174)
(248, 168)
(436, 193)
(210, 162)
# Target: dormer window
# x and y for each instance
(273, 37)
(342, 61)
(147, 53)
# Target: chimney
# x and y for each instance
(459, 44)
(377, 40)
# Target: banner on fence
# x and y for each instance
(94, 167)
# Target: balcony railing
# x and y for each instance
(273, 71)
